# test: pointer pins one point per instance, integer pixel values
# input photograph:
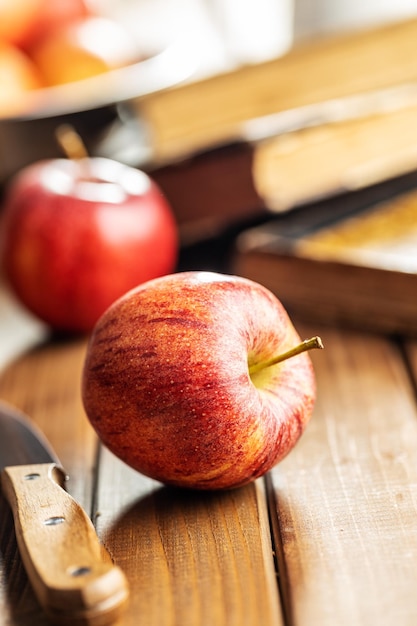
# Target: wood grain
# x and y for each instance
(194, 559)
(343, 504)
(411, 352)
(18, 604)
(44, 383)
(345, 500)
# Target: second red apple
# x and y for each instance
(77, 234)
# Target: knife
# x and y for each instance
(72, 576)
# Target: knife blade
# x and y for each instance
(72, 575)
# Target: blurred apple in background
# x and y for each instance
(17, 18)
(18, 75)
(199, 380)
(24, 21)
(77, 234)
(53, 14)
(45, 43)
(83, 48)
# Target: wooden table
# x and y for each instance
(328, 538)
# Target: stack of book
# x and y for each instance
(348, 261)
(322, 145)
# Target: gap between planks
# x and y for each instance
(344, 502)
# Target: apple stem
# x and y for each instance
(70, 142)
(307, 344)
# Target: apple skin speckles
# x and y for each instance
(170, 392)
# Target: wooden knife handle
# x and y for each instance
(71, 574)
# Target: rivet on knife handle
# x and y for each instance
(60, 549)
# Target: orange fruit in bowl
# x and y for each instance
(82, 49)
(18, 76)
(17, 18)
(53, 14)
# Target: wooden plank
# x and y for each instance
(344, 502)
(45, 384)
(19, 329)
(194, 559)
(410, 347)
(18, 604)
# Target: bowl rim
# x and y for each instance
(164, 69)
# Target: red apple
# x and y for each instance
(77, 234)
(184, 380)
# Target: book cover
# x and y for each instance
(353, 264)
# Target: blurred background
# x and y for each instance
(224, 32)
(162, 43)
(279, 114)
